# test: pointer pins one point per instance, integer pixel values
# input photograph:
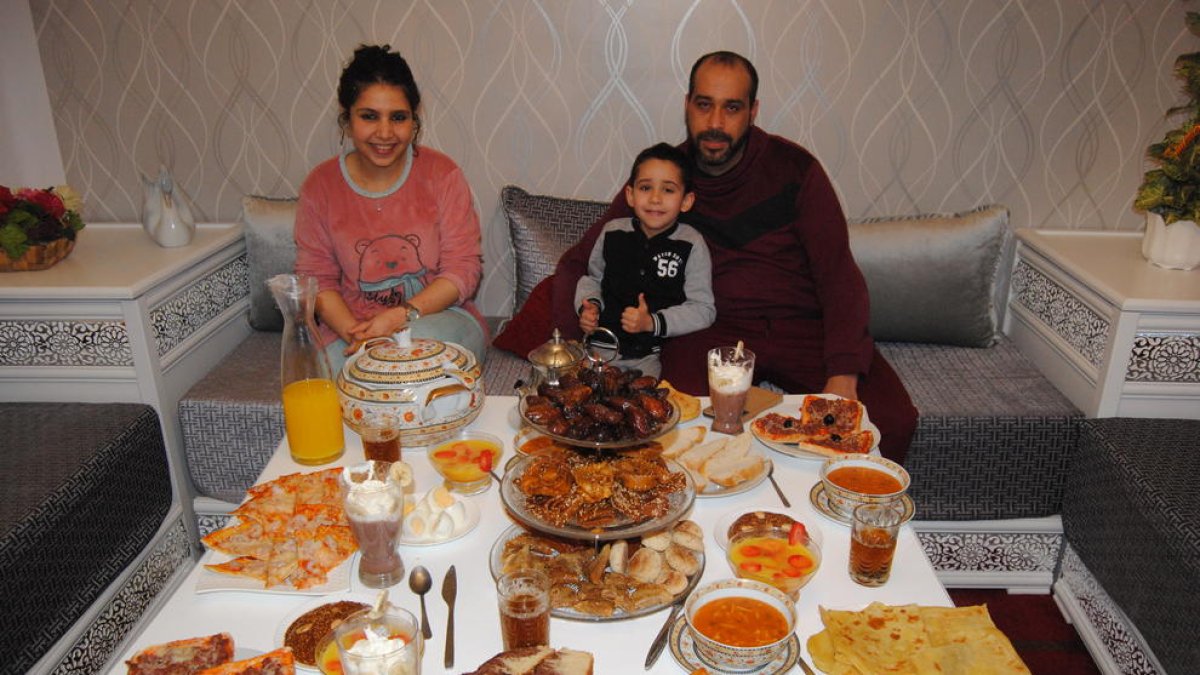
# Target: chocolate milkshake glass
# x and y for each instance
(374, 504)
(730, 373)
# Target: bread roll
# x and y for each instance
(659, 541)
(681, 559)
(645, 565)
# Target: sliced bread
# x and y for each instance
(678, 441)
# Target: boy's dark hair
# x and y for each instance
(376, 64)
(726, 59)
(667, 153)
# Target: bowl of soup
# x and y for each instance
(863, 479)
(739, 624)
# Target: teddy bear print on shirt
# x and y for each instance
(390, 268)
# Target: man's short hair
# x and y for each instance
(726, 58)
(667, 153)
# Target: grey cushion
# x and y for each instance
(1130, 512)
(86, 488)
(542, 229)
(933, 278)
(993, 435)
(270, 250)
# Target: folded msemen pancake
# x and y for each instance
(912, 639)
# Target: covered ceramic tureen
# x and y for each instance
(432, 387)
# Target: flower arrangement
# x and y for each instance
(1173, 189)
(32, 216)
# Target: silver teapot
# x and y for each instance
(558, 357)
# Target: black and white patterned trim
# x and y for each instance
(1124, 645)
(991, 551)
(190, 308)
(208, 523)
(1076, 323)
(92, 651)
(1164, 357)
(65, 343)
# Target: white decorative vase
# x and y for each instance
(1175, 246)
(167, 212)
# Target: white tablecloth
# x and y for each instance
(619, 647)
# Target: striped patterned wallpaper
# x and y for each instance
(1045, 106)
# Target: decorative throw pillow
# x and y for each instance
(542, 228)
(270, 250)
(531, 326)
(933, 278)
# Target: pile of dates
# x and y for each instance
(602, 404)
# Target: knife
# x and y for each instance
(656, 647)
(449, 592)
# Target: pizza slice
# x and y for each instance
(780, 428)
(320, 487)
(319, 551)
(283, 563)
(244, 566)
(183, 656)
(855, 442)
(835, 415)
(278, 662)
(312, 516)
(245, 538)
(273, 510)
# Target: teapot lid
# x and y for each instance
(390, 362)
(557, 352)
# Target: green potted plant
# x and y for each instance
(37, 227)
(1170, 194)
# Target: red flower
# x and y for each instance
(6, 197)
(49, 202)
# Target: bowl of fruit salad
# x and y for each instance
(784, 556)
(466, 460)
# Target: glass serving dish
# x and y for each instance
(495, 563)
(666, 426)
(514, 500)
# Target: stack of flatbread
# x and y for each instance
(913, 639)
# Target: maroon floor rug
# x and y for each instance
(1048, 644)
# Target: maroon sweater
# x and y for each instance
(780, 250)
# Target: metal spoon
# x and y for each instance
(778, 490)
(420, 582)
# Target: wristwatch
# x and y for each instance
(413, 313)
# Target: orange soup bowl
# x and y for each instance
(862, 479)
(776, 557)
(739, 624)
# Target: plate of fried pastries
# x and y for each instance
(622, 579)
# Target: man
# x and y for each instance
(783, 276)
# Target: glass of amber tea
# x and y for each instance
(380, 433)
(524, 598)
(873, 542)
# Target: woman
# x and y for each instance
(387, 228)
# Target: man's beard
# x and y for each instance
(732, 148)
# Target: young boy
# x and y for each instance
(649, 277)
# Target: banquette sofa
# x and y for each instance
(90, 534)
(993, 439)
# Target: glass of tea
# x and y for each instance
(873, 542)
(380, 434)
(524, 598)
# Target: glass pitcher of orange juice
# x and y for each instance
(311, 412)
